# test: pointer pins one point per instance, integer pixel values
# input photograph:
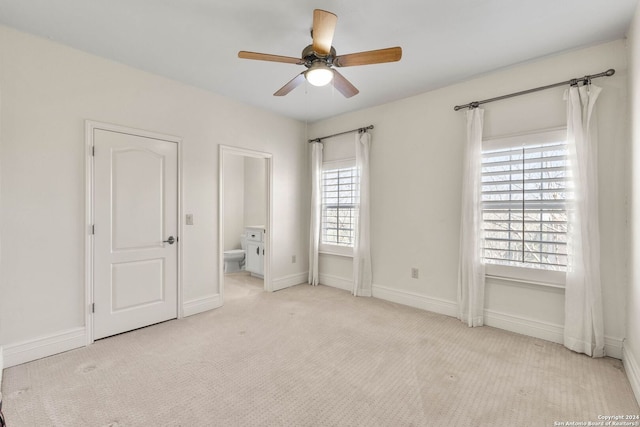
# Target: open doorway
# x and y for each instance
(245, 178)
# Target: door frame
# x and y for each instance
(268, 241)
(90, 127)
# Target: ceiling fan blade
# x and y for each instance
(294, 83)
(379, 56)
(324, 25)
(266, 57)
(343, 85)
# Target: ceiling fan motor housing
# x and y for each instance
(310, 56)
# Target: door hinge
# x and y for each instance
(93, 307)
(92, 230)
(93, 150)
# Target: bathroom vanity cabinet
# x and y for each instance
(254, 262)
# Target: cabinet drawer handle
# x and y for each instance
(257, 251)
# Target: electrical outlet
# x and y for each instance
(189, 219)
(293, 259)
(414, 273)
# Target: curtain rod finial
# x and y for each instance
(610, 72)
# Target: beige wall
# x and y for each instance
(48, 90)
(233, 200)
(255, 194)
(245, 196)
(416, 161)
(632, 343)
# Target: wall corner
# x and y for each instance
(632, 369)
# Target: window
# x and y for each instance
(525, 186)
(339, 207)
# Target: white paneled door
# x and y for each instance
(135, 236)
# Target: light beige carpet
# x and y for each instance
(315, 356)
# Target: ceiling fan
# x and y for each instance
(321, 59)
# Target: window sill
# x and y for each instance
(513, 280)
(526, 276)
(335, 253)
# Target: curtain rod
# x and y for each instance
(573, 82)
(342, 133)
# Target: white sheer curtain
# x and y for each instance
(583, 326)
(362, 247)
(471, 267)
(314, 232)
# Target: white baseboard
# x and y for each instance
(522, 325)
(336, 282)
(543, 330)
(200, 305)
(288, 281)
(37, 348)
(613, 347)
(509, 322)
(435, 305)
(632, 368)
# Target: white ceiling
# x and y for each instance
(443, 41)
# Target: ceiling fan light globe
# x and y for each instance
(319, 76)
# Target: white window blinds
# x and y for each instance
(339, 206)
(525, 185)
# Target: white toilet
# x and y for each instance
(234, 258)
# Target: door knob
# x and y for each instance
(170, 240)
